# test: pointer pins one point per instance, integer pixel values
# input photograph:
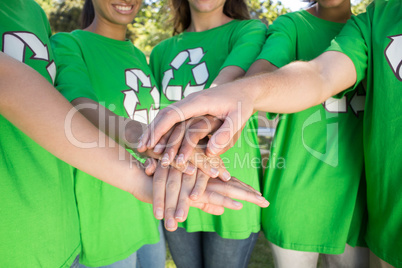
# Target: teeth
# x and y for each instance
(123, 8)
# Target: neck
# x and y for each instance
(107, 29)
(204, 21)
(338, 14)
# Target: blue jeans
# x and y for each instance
(153, 256)
(208, 249)
(76, 263)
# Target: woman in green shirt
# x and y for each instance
(106, 77)
(214, 43)
(99, 65)
(322, 150)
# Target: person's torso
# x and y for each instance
(39, 226)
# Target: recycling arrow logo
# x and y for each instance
(393, 54)
(356, 103)
(15, 44)
(131, 101)
(199, 73)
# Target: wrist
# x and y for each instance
(132, 132)
(138, 183)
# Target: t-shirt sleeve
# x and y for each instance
(246, 44)
(280, 47)
(351, 41)
(72, 79)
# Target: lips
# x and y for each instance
(123, 9)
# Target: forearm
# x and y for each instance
(228, 74)
(31, 103)
(301, 85)
(122, 130)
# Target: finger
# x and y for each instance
(209, 208)
(213, 166)
(215, 198)
(236, 182)
(183, 204)
(223, 137)
(198, 130)
(159, 187)
(173, 186)
(150, 166)
(231, 191)
(200, 185)
(173, 145)
(160, 147)
(188, 169)
(171, 115)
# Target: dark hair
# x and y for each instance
(235, 9)
(88, 14)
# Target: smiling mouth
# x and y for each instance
(123, 8)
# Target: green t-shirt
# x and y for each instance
(38, 215)
(114, 73)
(373, 41)
(316, 161)
(189, 62)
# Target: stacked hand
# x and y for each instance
(174, 192)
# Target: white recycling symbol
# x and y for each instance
(199, 72)
(356, 103)
(393, 53)
(131, 101)
(15, 43)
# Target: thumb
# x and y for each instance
(223, 137)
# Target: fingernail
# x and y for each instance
(147, 163)
(194, 195)
(261, 198)
(165, 160)
(180, 159)
(211, 151)
(226, 176)
(214, 172)
(179, 214)
(140, 144)
(158, 148)
(190, 170)
(170, 224)
(149, 144)
(159, 213)
(237, 204)
(266, 203)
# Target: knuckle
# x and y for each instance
(172, 185)
(159, 180)
(187, 179)
(170, 210)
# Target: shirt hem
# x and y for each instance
(72, 257)
(122, 256)
(224, 234)
(308, 248)
(379, 253)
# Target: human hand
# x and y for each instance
(234, 107)
(172, 201)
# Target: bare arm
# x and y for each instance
(228, 74)
(32, 104)
(261, 66)
(123, 130)
(293, 88)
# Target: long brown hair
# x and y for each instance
(88, 14)
(235, 9)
